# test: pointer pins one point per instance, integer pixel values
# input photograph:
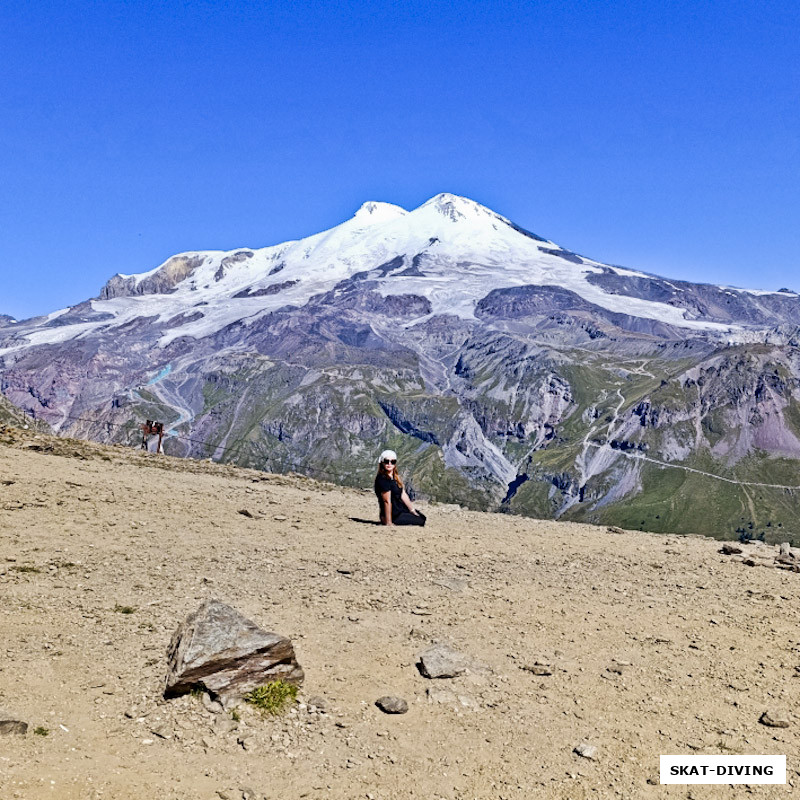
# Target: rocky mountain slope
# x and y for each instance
(12, 416)
(630, 643)
(508, 372)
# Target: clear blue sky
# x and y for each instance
(658, 135)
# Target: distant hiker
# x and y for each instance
(394, 504)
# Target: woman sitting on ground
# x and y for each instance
(395, 505)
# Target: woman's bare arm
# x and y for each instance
(386, 499)
(407, 500)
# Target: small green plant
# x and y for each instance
(272, 698)
(197, 691)
(41, 731)
(124, 609)
(25, 568)
(236, 716)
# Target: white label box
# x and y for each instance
(723, 769)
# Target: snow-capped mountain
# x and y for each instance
(506, 368)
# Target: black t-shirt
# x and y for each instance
(383, 483)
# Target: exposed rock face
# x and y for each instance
(525, 301)
(164, 280)
(228, 261)
(721, 303)
(219, 649)
(273, 288)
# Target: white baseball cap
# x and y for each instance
(387, 454)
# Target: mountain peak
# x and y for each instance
(374, 211)
(455, 207)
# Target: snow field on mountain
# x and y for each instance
(465, 249)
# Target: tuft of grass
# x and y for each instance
(25, 568)
(41, 731)
(197, 691)
(124, 609)
(272, 698)
(236, 716)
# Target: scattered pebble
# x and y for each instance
(585, 750)
(441, 661)
(775, 718)
(317, 703)
(538, 668)
(210, 705)
(392, 705)
(13, 727)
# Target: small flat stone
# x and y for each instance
(441, 696)
(453, 584)
(210, 705)
(614, 529)
(730, 550)
(224, 725)
(586, 750)
(441, 661)
(775, 718)
(13, 727)
(318, 703)
(537, 669)
(392, 705)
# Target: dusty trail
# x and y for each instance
(641, 457)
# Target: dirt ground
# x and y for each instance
(656, 644)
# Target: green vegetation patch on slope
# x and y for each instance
(674, 500)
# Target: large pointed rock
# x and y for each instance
(219, 649)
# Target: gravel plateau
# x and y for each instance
(582, 653)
